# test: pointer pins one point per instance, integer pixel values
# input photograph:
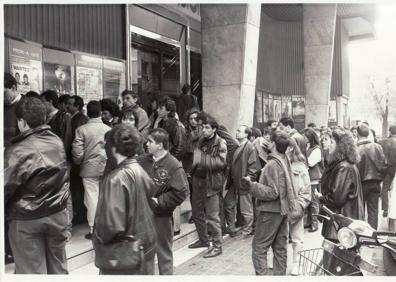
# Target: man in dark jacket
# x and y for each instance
(389, 147)
(287, 124)
(372, 166)
(245, 163)
(208, 168)
(171, 180)
(186, 101)
(271, 191)
(36, 191)
(74, 107)
(58, 120)
(11, 98)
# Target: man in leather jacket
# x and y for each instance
(171, 180)
(36, 191)
(372, 166)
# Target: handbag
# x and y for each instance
(124, 253)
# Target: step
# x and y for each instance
(79, 251)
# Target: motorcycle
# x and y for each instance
(343, 258)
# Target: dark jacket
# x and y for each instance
(342, 193)
(76, 121)
(186, 102)
(244, 163)
(389, 148)
(210, 162)
(300, 140)
(192, 137)
(171, 180)
(232, 143)
(10, 123)
(372, 164)
(124, 205)
(36, 178)
(60, 124)
(177, 136)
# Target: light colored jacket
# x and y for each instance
(88, 148)
(301, 183)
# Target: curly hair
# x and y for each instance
(125, 139)
(111, 106)
(345, 146)
(32, 110)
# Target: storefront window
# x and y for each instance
(155, 68)
(196, 76)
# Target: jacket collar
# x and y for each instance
(364, 141)
(127, 161)
(29, 132)
(95, 120)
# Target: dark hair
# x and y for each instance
(392, 129)
(125, 138)
(353, 128)
(186, 88)
(9, 81)
(132, 93)
(109, 105)
(128, 113)
(25, 75)
(248, 130)
(32, 110)
(51, 96)
(281, 140)
(266, 131)
(271, 121)
(311, 124)
(363, 130)
(187, 115)
(255, 132)
(345, 148)
(93, 109)
(63, 98)
(169, 105)
(32, 94)
(312, 137)
(208, 119)
(78, 102)
(160, 136)
(287, 121)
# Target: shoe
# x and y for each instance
(198, 244)
(295, 270)
(88, 236)
(175, 233)
(191, 220)
(213, 252)
(313, 228)
(385, 214)
(9, 259)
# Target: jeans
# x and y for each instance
(371, 194)
(313, 207)
(164, 228)
(38, 245)
(386, 186)
(206, 213)
(246, 208)
(272, 230)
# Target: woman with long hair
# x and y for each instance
(315, 169)
(302, 188)
(341, 188)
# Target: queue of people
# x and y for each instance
(127, 174)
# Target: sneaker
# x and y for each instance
(9, 259)
(88, 236)
(191, 220)
(198, 244)
(213, 252)
(295, 270)
(175, 233)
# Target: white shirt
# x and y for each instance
(315, 157)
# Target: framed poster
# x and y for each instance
(258, 112)
(113, 79)
(89, 79)
(58, 71)
(265, 107)
(286, 106)
(25, 62)
(277, 107)
(298, 111)
(271, 114)
(332, 111)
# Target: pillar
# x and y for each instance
(230, 37)
(319, 26)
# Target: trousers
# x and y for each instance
(164, 229)
(246, 207)
(272, 230)
(371, 194)
(38, 245)
(91, 197)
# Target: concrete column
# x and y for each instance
(230, 37)
(319, 27)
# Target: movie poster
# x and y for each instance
(89, 77)
(332, 111)
(58, 77)
(25, 65)
(271, 114)
(265, 108)
(277, 108)
(258, 113)
(286, 106)
(298, 110)
(113, 79)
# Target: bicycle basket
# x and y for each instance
(319, 262)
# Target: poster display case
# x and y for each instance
(89, 77)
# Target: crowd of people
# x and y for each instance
(126, 171)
